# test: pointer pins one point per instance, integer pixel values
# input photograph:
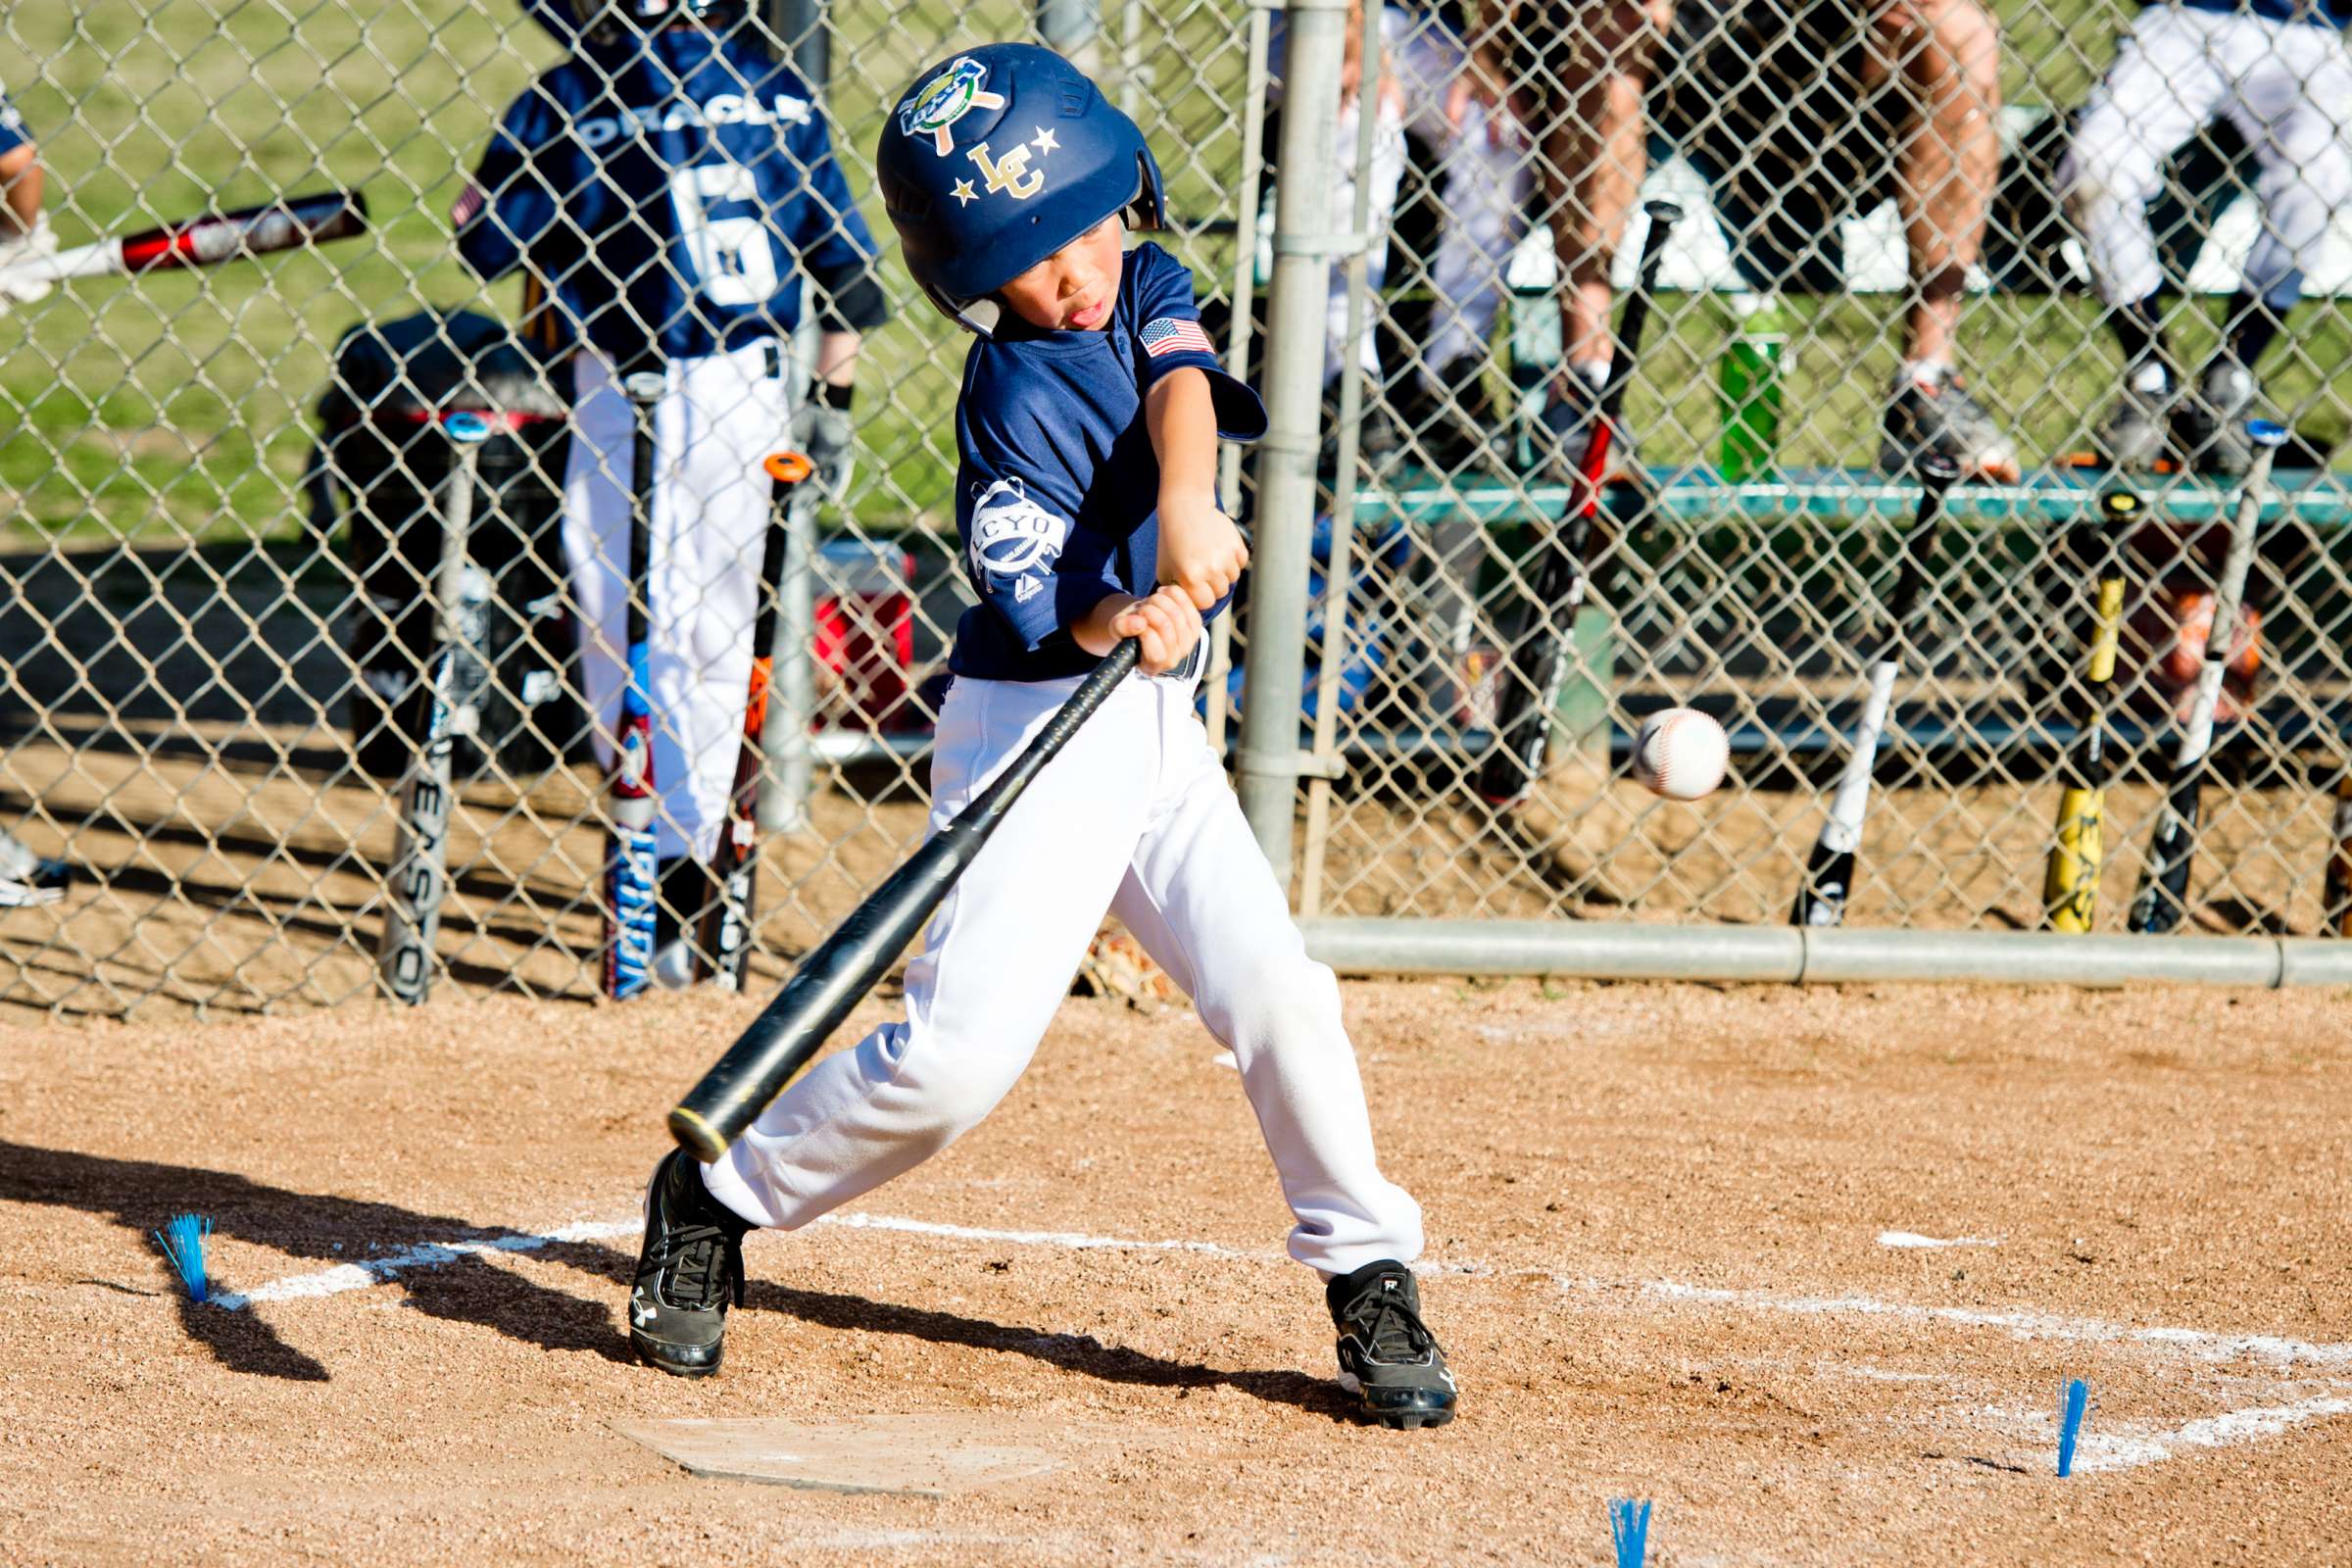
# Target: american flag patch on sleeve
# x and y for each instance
(469, 208)
(1173, 334)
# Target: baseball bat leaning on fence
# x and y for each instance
(2164, 881)
(1523, 719)
(631, 878)
(791, 1029)
(1829, 869)
(420, 881)
(2335, 906)
(2069, 885)
(726, 936)
(208, 239)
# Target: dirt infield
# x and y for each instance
(1664, 1228)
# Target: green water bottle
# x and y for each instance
(1749, 397)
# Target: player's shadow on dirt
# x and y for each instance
(1081, 1353)
(142, 1195)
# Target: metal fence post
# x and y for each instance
(1314, 37)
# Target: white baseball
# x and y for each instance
(1680, 753)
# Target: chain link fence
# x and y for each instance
(222, 485)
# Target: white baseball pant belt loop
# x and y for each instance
(719, 414)
(1135, 816)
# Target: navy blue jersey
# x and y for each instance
(1058, 490)
(671, 191)
(12, 126)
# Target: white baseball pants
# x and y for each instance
(2288, 88)
(721, 415)
(1134, 815)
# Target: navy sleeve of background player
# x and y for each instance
(12, 128)
(1169, 336)
(508, 208)
(834, 246)
(1027, 559)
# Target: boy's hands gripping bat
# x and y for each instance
(841, 969)
(2164, 883)
(726, 936)
(631, 879)
(2070, 884)
(419, 880)
(1531, 680)
(1830, 870)
(207, 240)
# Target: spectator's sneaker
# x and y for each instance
(2212, 425)
(688, 1272)
(1378, 448)
(1571, 403)
(2139, 429)
(26, 880)
(1452, 424)
(1388, 1358)
(1932, 411)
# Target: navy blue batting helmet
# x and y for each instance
(999, 157)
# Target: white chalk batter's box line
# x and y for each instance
(2106, 1446)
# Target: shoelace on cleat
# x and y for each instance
(694, 1267)
(1389, 1329)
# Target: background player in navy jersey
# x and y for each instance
(672, 186)
(24, 227)
(1087, 429)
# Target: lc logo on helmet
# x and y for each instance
(955, 94)
(1012, 534)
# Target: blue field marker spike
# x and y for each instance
(182, 1242)
(1629, 1523)
(2071, 1406)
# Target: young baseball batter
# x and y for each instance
(667, 190)
(2280, 71)
(1087, 430)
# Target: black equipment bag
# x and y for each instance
(382, 451)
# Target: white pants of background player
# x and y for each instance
(1486, 182)
(719, 415)
(2288, 88)
(1134, 816)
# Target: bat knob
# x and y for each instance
(2120, 506)
(466, 426)
(1938, 469)
(2266, 432)
(644, 387)
(787, 467)
(1664, 212)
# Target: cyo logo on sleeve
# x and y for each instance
(1013, 536)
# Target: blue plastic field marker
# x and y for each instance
(182, 1242)
(2071, 1406)
(1629, 1521)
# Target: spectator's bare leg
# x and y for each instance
(1948, 53)
(1594, 156)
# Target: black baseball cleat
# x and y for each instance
(1389, 1360)
(688, 1273)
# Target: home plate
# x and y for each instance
(904, 1455)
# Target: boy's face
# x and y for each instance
(1073, 289)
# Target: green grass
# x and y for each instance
(180, 407)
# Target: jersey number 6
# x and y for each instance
(733, 257)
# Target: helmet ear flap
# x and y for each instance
(1147, 207)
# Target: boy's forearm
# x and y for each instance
(1183, 425)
